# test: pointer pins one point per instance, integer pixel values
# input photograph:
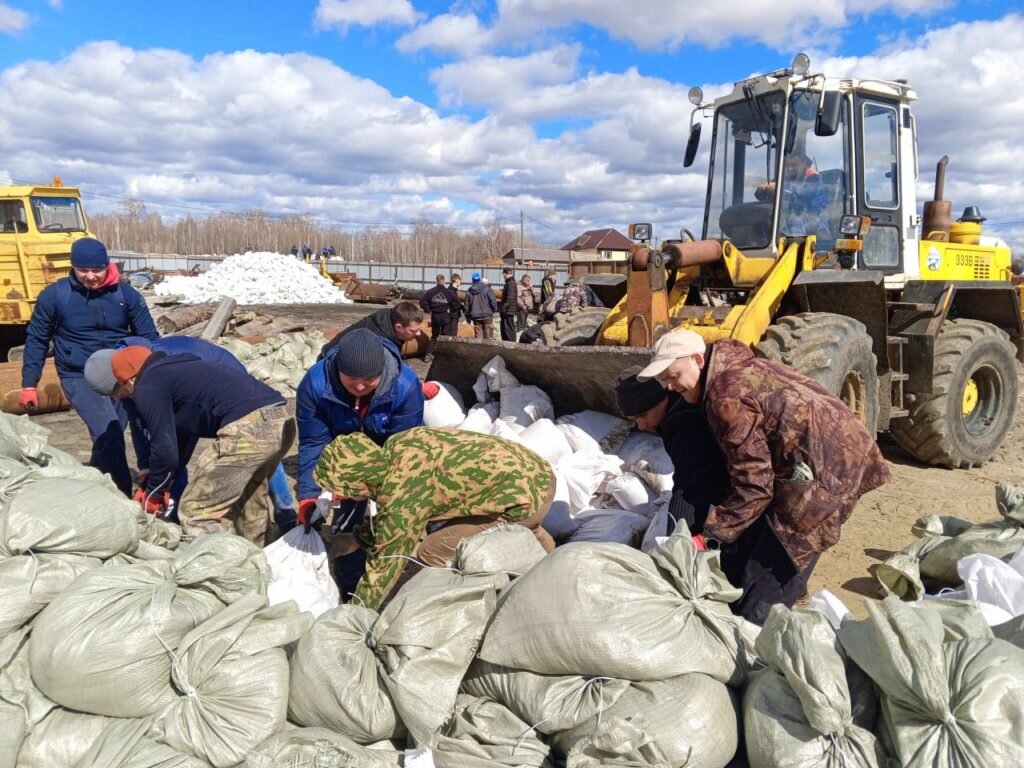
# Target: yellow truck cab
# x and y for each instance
(38, 224)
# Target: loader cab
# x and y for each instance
(776, 172)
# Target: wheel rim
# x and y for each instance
(853, 395)
(982, 400)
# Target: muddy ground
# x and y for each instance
(880, 525)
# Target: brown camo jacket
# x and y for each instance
(768, 418)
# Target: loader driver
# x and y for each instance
(804, 197)
(798, 461)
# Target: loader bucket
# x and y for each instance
(576, 378)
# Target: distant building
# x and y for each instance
(598, 245)
(536, 256)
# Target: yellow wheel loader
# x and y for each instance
(813, 252)
(37, 226)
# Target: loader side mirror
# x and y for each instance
(827, 121)
(691, 145)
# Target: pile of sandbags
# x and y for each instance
(255, 278)
(945, 556)
(281, 361)
(612, 483)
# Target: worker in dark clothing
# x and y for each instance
(97, 375)
(509, 307)
(453, 289)
(441, 302)
(700, 478)
(798, 461)
(180, 399)
(480, 307)
(397, 324)
(89, 310)
(548, 286)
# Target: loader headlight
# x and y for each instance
(801, 64)
(854, 226)
(696, 96)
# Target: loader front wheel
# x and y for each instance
(575, 329)
(965, 418)
(833, 350)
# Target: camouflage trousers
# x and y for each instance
(228, 491)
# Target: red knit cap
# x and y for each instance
(127, 362)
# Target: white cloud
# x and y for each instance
(56, 4)
(12, 20)
(460, 35)
(342, 14)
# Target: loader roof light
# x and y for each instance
(696, 95)
(801, 64)
(854, 226)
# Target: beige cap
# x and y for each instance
(669, 348)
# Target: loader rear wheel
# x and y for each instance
(576, 329)
(966, 416)
(833, 350)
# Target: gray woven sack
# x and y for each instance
(104, 645)
(609, 610)
(483, 733)
(22, 706)
(801, 711)
(318, 748)
(336, 681)
(690, 720)
(957, 704)
(504, 548)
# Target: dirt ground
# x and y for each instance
(880, 525)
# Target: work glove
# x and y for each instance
(154, 503)
(28, 399)
(430, 389)
(142, 479)
(309, 515)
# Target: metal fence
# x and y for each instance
(413, 276)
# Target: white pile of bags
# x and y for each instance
(255, 278)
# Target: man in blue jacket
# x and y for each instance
(180, 399)
(361, 385)
(97, 374)
(480, 307)
(88, 310)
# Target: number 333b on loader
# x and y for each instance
(814, 254)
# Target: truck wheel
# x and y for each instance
(833, 350)
(576, 329)
(971, 407)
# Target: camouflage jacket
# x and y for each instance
(425, 474)
(769, 419)
(573, 297)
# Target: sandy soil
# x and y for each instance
(880, 525)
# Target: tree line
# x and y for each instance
(133, 228)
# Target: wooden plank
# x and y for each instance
(221, 318)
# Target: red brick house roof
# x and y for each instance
(600, 240)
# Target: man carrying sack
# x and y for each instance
(444, 483)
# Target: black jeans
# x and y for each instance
(439, 323)
(508, 328)
(758, 563)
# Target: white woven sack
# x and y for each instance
(442, 410)
(525, 404)
(299, 571)
(547, 441)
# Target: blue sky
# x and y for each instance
(384, 111)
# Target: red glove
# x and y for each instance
(28, 399)
(154, 503)
(700, 543)
(307, 508)
(142, 479)
(430, 389)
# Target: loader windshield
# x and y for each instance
(58, 214)
(748, 134)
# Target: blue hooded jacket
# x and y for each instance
(81, 321)
(324, 410)
(186, 345)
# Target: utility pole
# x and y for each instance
(522, 253)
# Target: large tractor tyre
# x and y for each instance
(833, 350)
(966, 416)
(575, 329)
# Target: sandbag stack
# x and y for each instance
(279, 362)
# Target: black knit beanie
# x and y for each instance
(636, 397)
(360, 355)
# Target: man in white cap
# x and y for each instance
(798, 461)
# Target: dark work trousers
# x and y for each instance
(521, 320)
(106, 419)
(508, 328)
(439, 323)
(349, 569)
(453, 325)
(757, 562)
